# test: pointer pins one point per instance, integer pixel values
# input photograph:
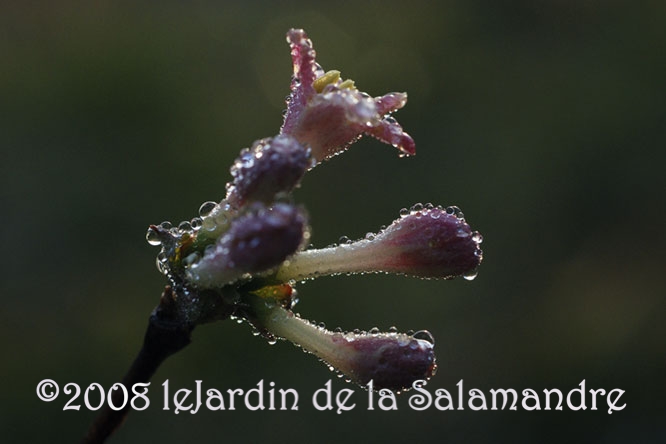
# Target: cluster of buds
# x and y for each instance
(242, 256)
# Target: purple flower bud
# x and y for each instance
(256, 241)
(429, 243)
(391, 360)
(426, 242)
(271, 166)
(328, 113)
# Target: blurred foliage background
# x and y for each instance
(544, 121)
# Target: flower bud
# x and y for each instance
(255, 242)
(426, 242)
(274, 165)
(391, 360)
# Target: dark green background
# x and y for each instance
(543, 120)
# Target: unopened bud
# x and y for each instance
(274, 165)
(255, 242)
(391, 360)
(427, 243)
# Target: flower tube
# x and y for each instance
(426, 242)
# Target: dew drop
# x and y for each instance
(404, 212)
(196, 223)
(370, 236)
(153, 237)
(344, 240)
(424, 335)
(471, 275)
(206, 208)
(417, 207)
(393, 329)
(462, 232)
(166, 225)
(161, 263)
(209, 224)
(476, 237)
(185, 226)
(374, 331)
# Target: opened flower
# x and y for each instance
(328, 113)
(242, 256)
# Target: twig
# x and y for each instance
(166, 334)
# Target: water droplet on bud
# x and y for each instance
(209, 224)
(471, 275)
(153, 237)
(206, 208)
(462, 232)
(424, 335)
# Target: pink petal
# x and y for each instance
(389, 131)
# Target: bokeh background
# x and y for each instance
(544, 121)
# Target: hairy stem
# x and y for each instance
(352, 258)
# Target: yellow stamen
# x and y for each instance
(330, 77)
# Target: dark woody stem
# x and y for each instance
(164, 337)
(169, 331)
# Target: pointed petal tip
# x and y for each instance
(407, 145)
